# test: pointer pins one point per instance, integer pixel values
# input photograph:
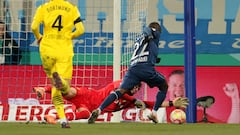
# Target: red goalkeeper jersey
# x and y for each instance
(91, 99)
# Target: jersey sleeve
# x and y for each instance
(128, 98)
(38, 18)
(76, 13)
(39, 14)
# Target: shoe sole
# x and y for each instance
(39, 94)
(93, 117)
(57, 80)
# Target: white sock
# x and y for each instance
(154, 112)
(99, 111)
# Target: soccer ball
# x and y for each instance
(178, 116)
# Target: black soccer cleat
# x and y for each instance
(93, 116)
(153, 118)
(65, 125)
(57, 81)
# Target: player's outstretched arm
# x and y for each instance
(178, 103)
(138, 103)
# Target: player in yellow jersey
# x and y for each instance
(59, 19)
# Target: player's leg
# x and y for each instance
(159, 81)
(60, 83)
(49, 66)
(127, 85)
(84, 114)
(59, 106)
(111, 97)
(61, 77)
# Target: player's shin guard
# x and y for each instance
(111, 97)
(65, 88)
(59, 104)
(161, 95)
(60, 84)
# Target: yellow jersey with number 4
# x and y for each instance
(59, 18)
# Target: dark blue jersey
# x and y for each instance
(145, 52)
(143, 60)
(142, 68)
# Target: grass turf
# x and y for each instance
(14, 128)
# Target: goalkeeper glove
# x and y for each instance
(140, 104)
(180, 102)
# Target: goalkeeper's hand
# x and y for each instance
(181, 102)
(140, 104)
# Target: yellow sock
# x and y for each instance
(65, 88)
(58, 102)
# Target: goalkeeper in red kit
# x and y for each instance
(85, 100)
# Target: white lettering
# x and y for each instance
(236, 44)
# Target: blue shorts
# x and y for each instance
(136, 75)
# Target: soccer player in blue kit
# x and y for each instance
(141, 68)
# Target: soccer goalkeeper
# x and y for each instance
(86, 100)
(59, 18)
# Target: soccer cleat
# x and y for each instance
(65, 125)
(39, 91)
(57, 81)
(93, 116)
(50, 119)
(153, 118)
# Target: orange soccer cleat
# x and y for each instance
(50, 119)
(39, 91)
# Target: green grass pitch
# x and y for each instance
(15, 128)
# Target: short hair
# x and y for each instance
(156, 26)
(176, 72)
